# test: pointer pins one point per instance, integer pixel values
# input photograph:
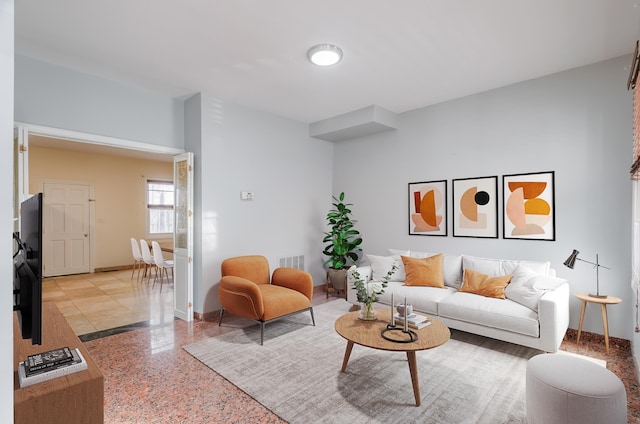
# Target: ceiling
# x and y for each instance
(400, 55)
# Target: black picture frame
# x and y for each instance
(427, 215)
(529, 206)
(475, 207)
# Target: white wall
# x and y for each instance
(54, 96)
(6, 211)
(290, 175)
(193, 144)
(576, 123)
(236, 149)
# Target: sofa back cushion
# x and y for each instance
(382, 265)
(499, 267)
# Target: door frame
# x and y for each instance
(24, 129)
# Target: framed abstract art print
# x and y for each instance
(428, 208)
(475, 207)
(529, 206)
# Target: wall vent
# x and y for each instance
(292, 262)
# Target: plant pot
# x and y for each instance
(337, 278)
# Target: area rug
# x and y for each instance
(296, 374)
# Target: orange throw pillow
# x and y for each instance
(479, 283)
(424, 271)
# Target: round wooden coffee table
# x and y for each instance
(368, 334)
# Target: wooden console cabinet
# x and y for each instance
(73, 398)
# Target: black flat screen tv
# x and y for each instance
(27, 270)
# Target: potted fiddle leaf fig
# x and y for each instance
(343, 242)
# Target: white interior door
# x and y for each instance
(66, 224)
(183, 237)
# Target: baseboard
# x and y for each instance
(572, 334)
(113, 268)
(207, 316)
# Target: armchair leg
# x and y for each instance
(220, 320)
(261, 333)
(313, 320)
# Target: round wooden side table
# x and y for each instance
(603, 301)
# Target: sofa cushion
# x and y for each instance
(484, 285)
(527, 286)
(498, 267)
(381, 265)
(423, 299)
(424, 272)
(496, 313)
(451, 265)
(399, 252)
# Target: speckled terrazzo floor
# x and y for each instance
(149, 378)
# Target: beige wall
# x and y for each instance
(119, 192)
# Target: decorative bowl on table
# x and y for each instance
(402, 308)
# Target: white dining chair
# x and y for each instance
(149, 262)
(137, 257)
(162, 265)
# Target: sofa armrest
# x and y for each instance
(365, 274)
(294, 279)
(241, 297)
(553, 314)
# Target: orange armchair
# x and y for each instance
(247, 290)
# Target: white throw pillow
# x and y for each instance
(527, 286)
(381, 265)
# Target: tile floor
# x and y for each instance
(149, 378)
(105, 300)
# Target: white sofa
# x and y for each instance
(535, 312)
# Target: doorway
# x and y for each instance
(100, 146)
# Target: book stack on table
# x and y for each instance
(416, 321)
(50, 364)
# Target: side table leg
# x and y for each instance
(605, 324)
(347, 354)
(413, 370)
(584, 307)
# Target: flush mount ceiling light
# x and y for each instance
(324, 54)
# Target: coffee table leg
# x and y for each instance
(347, 354)
(413, 369)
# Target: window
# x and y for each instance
(159, 207)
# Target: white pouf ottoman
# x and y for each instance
(566, 389)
